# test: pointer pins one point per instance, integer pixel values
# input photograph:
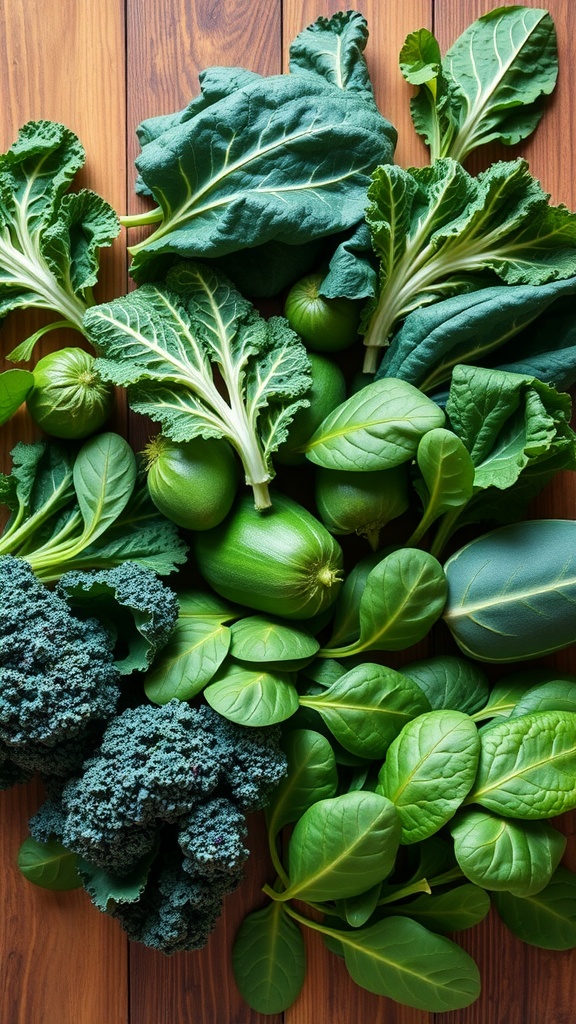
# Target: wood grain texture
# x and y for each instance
(101, 68)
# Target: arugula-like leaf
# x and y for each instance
(436, 229)
(162, 342)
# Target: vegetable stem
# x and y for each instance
(141, 220)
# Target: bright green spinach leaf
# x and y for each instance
(450, 682)
(269, 959)
(15, 385)
(312, 776)
(452, 911)
(252, 696)
(271, 642)
(546, 919)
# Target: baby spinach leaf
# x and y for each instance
(341, 847)
(49, 865)
(556, 695)
(252, 696)
(512, 51)
(367, 707)
(377, 428)
(269, 959)
(15, 385)
(358, 909)
(271, 642)
(447, 472)
(511, 592)
(436, 228)
(496, 853)
(195, 651)
(104, 477)
(401, 959)
(546, 919)
(504, 696)
(403, 596)
(527, 766)
(346, 624)
(429, 769)
(312, 776)
(450, 682)
(164, 342)
(452, 911)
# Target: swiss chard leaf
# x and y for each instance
(435, 229)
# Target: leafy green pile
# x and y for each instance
(416, 797)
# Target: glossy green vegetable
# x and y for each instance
(69, 399)
(282, 561)
(325, 325)
(193, 483)
(361, 503)
(327, 391)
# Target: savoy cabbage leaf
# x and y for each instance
(164, 343)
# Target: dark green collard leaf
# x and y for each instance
(342, 846)
(502, 324)
(234, 156)
(162, 342)
(452, 911)
(271, 642)
(511, 592)
(15, 385)
(312, 776)
(403, 596)
(508, 423)
(367, 707)
(436, 228)
(50, 241)
(500, 854)
(527, 766)
(269, 960)
(546, 919)
(333, 48)
(401, 959)
(195, 651)
(429, 769)
(252, 696)
(450, 682)
(377, 428)
(107, 890)
(513, 53)
(49, 865)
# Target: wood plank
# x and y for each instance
(63, 961)
(166, 49)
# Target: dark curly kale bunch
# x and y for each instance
(165, 796)
(58, 681)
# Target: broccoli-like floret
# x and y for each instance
(178, 779)
(132, 602)
(58, 683)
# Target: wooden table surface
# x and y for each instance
(101, 66)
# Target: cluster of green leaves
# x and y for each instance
(83, 507)
(410, 817)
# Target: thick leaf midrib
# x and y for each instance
(320, 703)
(471, 609)
(332, 866)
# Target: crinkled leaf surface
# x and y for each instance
(527, 766)
(333, 48)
